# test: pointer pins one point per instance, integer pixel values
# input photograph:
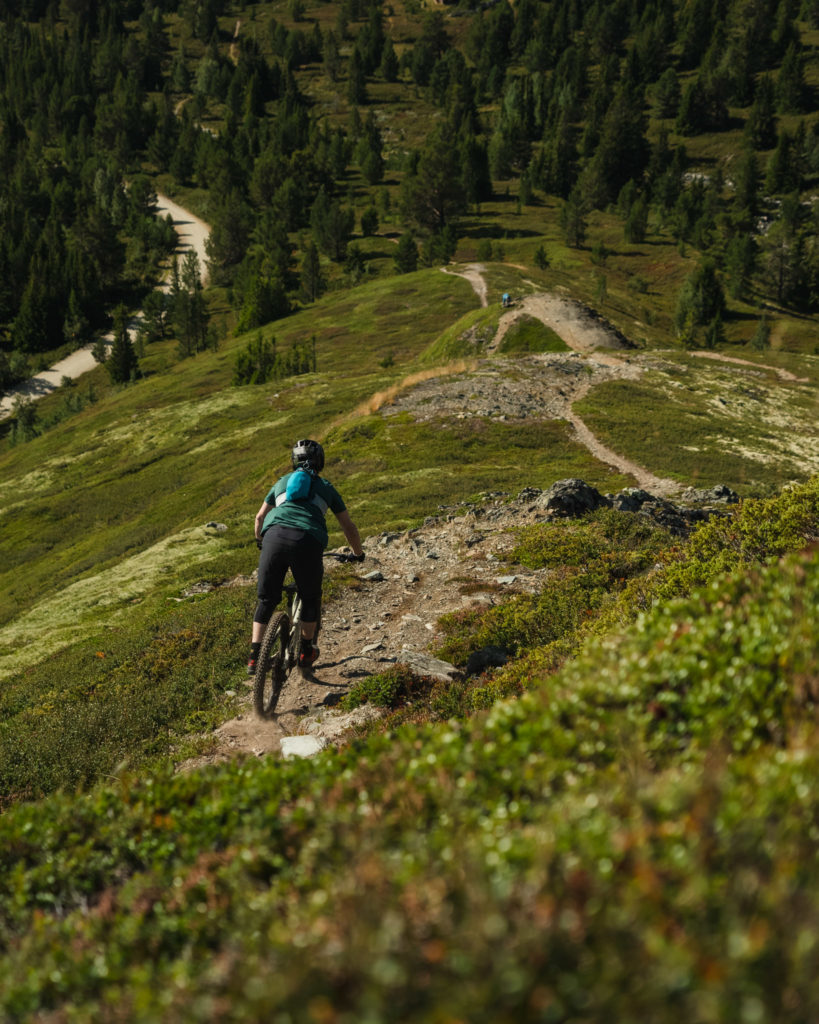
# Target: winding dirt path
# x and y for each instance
(720, 358)
(192, 233)
(585, 334)
(473, 273)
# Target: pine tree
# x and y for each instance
(790, 83)
(740, 259)
(122, 363)
(406, 254)
(667, 94)
(312, 280)
(701, 301)
(573, 218)
(357, 81)
(761, 125)
(434, 194)
(389, 62)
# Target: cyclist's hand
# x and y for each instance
(259, 543)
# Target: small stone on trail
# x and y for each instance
(375, 576)
(506, 579)
(302, 746)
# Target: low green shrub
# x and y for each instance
(384, 689)
(526, 865)
(73, 718)
(582, 542)
(732, 665)
(758, 530)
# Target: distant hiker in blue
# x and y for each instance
(293, 534)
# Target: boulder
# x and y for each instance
(571, 498)
(486, 657)
(631, 499)
(719, 494)
(425, 665)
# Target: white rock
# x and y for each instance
(302, 746)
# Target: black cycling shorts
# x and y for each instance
(283, 548)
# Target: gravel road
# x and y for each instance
(192, 234)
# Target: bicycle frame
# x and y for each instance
(279, 653)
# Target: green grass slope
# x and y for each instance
(635, 841)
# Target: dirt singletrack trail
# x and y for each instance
(586, 334)
(473, 273)
(719, 357)
(408, 580)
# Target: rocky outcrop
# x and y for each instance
(571, 498)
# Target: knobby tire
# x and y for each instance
(270, 666)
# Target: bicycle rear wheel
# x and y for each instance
(271, 667)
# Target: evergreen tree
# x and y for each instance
(122, 363)
(740, 259)
(434, 194)
(637, 221)
(667, 94)
(356, 81)
(573, 218)
(760, 127)
(790, 83)
(556, 169)
(312, 280)
(406, 254)
(331, 56)
(700, 302)
(369, 222)
(331, 225)
(784, 167)
(187, 306)
(746, 189)
(354, 264)
(266, 300)
(388, 68)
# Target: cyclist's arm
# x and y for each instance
(260, 518)
(350, 531)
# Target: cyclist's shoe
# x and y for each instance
(308, 658)
(251, 667)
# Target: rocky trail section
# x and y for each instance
(455, 560)
(542, 386)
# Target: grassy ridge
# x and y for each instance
(637, 838)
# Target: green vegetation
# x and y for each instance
(620, 823)
(530, 335)
(681, 425)
(609, 843)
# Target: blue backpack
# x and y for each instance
(300, 485)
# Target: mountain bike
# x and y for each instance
(279, 653)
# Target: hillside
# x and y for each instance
(639, 827)
(602, 807)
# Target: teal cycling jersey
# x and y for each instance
(307, 514)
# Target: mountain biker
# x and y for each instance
(292, 534)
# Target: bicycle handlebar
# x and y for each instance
(340, 556)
